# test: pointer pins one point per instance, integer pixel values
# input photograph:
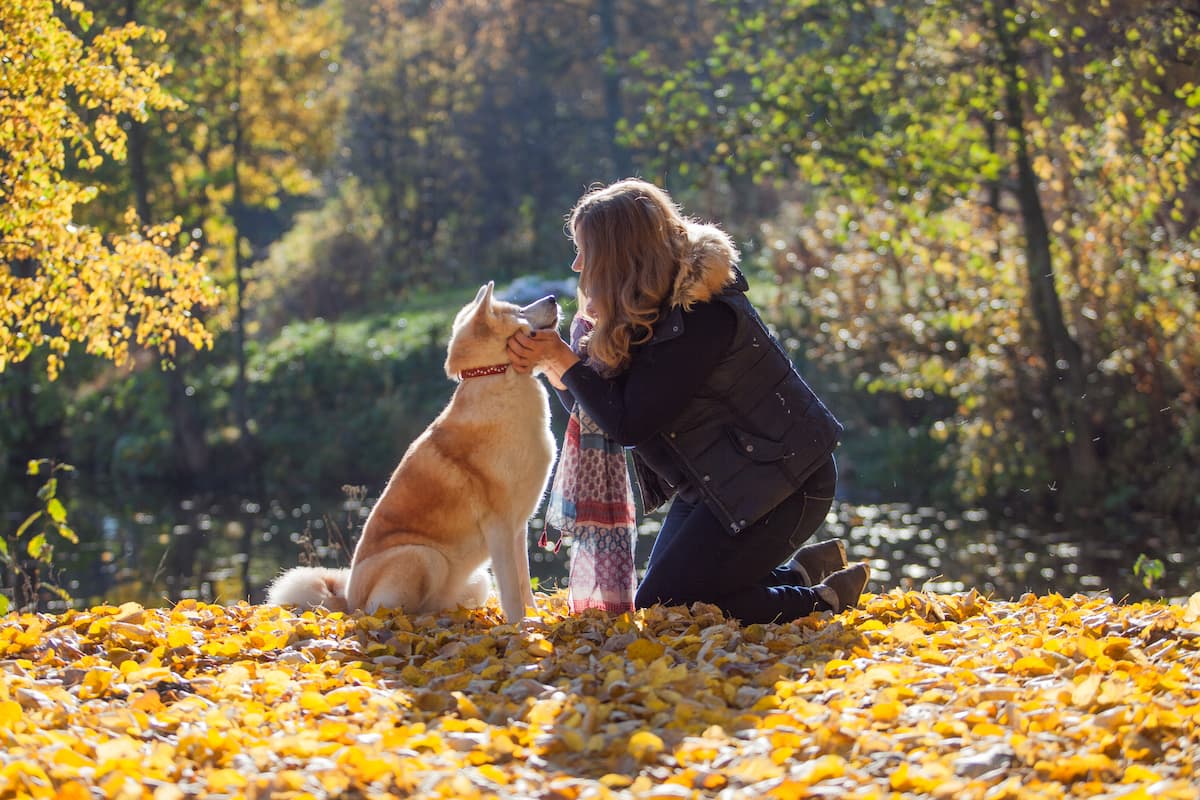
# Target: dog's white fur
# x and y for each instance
(462, 494)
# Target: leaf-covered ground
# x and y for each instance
(952, 696)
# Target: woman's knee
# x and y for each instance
(664, 592)
(649, 593)
(643, 598)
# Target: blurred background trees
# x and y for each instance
(975, 224)
(990, 209)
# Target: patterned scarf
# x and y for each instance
(591, 501)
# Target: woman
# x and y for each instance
(679, 366)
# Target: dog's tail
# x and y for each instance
(310, 587)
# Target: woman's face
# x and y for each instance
(577, 264)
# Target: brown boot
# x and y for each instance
(842, 589)
(814, 562)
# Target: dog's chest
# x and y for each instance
(529, 444)
(512, 430)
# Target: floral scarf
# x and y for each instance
(591, 501)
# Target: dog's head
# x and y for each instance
(479, 337)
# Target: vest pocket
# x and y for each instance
(757, 448)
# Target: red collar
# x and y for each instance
(479, 372)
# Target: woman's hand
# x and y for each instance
(542, 350)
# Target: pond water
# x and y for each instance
(226, 549)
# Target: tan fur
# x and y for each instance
(707, 265)
(462, 494)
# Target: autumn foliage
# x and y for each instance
(991, 222)
(912, 695)
(63, 101)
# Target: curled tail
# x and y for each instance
(310, 587)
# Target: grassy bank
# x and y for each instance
(913, 694)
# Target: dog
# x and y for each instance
(464, 491)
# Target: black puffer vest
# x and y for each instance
(753, 434)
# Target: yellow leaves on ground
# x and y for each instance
(911, 695)
(645, 746)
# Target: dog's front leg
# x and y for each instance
(523, 580)
(510, 565)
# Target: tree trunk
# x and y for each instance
(240, 405)
(187, 431)
(240, 408)
(1066, 383)
(191, 455)
(136, 147)
(612, 87)
(994, 187)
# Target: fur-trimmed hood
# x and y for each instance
(709, 264)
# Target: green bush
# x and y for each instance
(337, 403)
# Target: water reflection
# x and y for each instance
(924, 548)
(221, 549)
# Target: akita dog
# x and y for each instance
(464, 491)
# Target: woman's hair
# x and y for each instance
(632, 237)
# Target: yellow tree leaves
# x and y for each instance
(61, 101)
(914, 694)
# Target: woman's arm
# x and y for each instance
(565, 398)
(542, 349)
(659, 382)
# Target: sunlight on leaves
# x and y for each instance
(945, 695)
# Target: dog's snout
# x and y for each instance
(542, 313)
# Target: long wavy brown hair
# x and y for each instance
(632, 236)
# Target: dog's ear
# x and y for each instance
(486, 289)
(483, 300)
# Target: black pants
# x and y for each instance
(695, 560)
